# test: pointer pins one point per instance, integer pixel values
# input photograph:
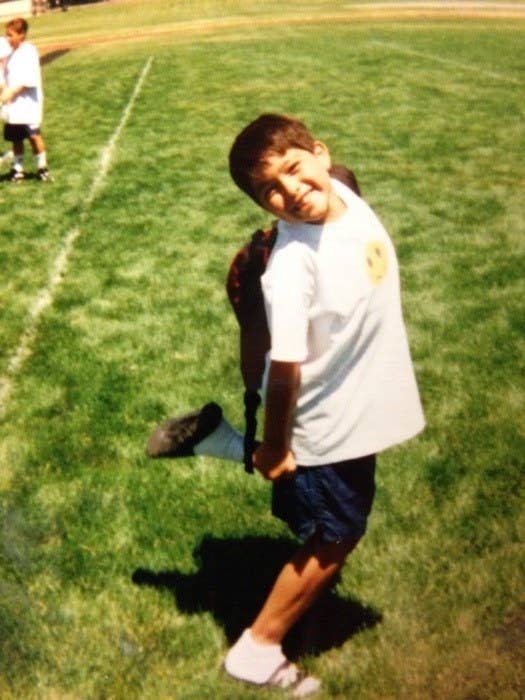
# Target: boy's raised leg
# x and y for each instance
(201, 432)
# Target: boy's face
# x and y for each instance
(296, 187)
(14, 38)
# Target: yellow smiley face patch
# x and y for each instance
(376, 261)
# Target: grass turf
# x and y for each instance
(430, 117)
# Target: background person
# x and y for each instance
(22, 97)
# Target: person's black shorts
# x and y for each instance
(19, 132)
(333, 500)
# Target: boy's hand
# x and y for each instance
(274, 463)
(6, 95)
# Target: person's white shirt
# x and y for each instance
(22, 67)
(5, 50)
(333, 303)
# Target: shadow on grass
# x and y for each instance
(232, 581)
(52, 56)
(6, 177)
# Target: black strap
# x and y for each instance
(252, 401)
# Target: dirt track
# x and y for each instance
(364, 11)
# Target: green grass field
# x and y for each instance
(113, 315)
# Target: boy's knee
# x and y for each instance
(332, 554)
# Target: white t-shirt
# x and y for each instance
(5, 50)
(5, 47)
(333, 304)
(23, 68)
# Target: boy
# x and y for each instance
(22, 96)
(339, 385)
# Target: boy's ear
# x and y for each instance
(322, 152)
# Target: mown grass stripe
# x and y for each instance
(447, 61)
(45, 296)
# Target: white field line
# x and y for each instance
(45, 297)
(447, 61)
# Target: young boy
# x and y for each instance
(22, 96)
(339, 386)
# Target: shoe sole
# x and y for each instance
(303, 686)
(178, 436)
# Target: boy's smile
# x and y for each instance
(296, 187)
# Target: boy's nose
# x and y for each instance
(290, 185)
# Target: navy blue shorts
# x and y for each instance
(19, 132)
(332, 500)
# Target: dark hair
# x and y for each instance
(18, 25)
(274, 133)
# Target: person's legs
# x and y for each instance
(18, 148)
(17, 171)
(37, 143)
(39, 151)
(333, 502)
(15, 135)
(202, 432)
(257, 655)
(299, 584)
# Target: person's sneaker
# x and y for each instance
(296, 682)
(178, 436)
(267, 667)
(44, 175)
(16, 175)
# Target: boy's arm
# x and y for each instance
(273, 458)
(8, 94)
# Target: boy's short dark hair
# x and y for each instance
(18, 25)
(274, 133)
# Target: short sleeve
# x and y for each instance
(288, 288)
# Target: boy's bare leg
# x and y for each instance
(201, 432)
(39, 151)
(37, 143)
(17, 169)
(298, 585)
(257, 655)
(18, 148)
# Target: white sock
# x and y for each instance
(225, 443)
(250, 661)
(41, 160)
(18, 163)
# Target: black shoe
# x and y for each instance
(44, 175)
(17, 175)
(178, 436)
